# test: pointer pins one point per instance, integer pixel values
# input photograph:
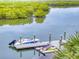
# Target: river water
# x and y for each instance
(57, 21)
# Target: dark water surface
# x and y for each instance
(58, 20)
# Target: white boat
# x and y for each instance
(31, 45)
(26, 41)
(23, 41)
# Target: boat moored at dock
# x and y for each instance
(27, 43)
(23, 41)
(31, 45)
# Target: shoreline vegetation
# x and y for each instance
(25, 10)
(71, 49)
(21, 10)
(11, 11)
(64, 4)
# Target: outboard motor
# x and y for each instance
(12, 43)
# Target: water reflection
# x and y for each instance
(40, 20)
(20, 54)
(22, 21)
(21, 51)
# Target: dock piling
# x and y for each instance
(60, 42)
(76, 32)
(39, 53)
(64, 35)
(20, 54)
(49, 38)
(34, 42)
(20, 39)
(34, 51)
(34, 38)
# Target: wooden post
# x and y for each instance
(60, 42)
(20, 40)
(64, 35)
(20, 54)
(49, 38)
(34, 38)
(39, 53)
(76, 32)
(34, 51)
(34, 42)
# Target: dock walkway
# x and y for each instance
(39, 44)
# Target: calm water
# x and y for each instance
(58, 20)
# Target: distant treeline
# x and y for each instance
(63, 3)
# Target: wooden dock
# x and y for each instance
(55, 43)
(39, 44)
(44, 50)
(54, 46)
